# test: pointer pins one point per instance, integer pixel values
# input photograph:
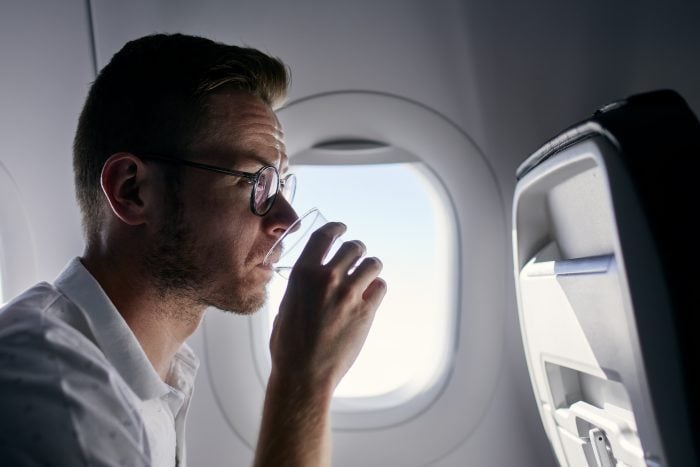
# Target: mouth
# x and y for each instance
(269, 260)
(273, 256)
(264, 272)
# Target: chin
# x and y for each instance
(235, 292)
(242, 303)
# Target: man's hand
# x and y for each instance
(326, 313)
(323, 322)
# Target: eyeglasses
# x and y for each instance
(266, 182)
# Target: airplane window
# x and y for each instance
(396, 211)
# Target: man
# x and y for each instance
(181, 177)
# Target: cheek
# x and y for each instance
(237, 242)
(225, 229)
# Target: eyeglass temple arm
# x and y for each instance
(247, 175)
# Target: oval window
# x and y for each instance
(397, 210)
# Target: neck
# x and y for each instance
(160, 322)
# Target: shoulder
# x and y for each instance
(62, 402)
(34, 338)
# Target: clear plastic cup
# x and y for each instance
(287, 249)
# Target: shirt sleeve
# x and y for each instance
(61, 402)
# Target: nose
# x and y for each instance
(280, 217)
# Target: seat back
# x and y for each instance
(606, 269)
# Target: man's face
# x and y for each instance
(209, 246)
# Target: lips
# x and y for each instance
(271, 260)
(273, 256)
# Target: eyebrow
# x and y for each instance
(264, 162)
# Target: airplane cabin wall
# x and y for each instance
(45, 69)
(509, 74)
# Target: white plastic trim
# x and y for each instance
(17, 261)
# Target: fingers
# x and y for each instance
(365, 273)
(320, 243)
(327, 311)
(347, 255)
(374, 294)
(365, 276)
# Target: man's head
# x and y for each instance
(152, 98)
(188, 98)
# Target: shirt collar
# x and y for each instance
(115, 338)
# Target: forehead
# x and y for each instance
(240, 128)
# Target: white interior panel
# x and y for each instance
(17, 261)
(46, 70)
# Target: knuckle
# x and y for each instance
(335, 276)
(323, 234)
(374, 263)
(331, 277)
(356, 247)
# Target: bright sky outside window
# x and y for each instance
(395, 210)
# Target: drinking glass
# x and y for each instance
(287, 249)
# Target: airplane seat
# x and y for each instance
(606, 271)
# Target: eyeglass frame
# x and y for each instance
(251, 177)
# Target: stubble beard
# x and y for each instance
(180, 268)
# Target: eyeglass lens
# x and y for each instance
(266, 189)
(290, 187)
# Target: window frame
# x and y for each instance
(413, 397)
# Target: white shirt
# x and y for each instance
(76, 388)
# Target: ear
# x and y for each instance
(124, 182)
